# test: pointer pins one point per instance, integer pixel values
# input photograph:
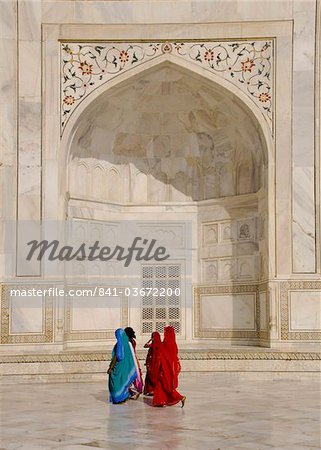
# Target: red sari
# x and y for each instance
(152, 364)
(169, 367)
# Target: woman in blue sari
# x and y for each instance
(122, 370)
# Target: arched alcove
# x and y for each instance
(168, 126)
(169, 137)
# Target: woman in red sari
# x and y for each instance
(165, 392)
(152, 363)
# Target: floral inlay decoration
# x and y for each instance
(85, 68)
(247, 64)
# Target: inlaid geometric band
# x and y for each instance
(248, 64)
(266, 355)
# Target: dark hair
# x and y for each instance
(130, 333)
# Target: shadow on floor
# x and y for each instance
(148, 401)
(101, 396)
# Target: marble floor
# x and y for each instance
(223, 411)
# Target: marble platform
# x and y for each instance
(90, 365)
(222, 412)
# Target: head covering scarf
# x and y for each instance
(131, 336)
(155, 357)
(170, 362)
(130, 332)
(124, 372)
(170, 341)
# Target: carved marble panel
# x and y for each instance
(26, 319)
(26, 315)
(305, 310)
(95, 313)
(168, 234)
(94, 318)
(246, 230)
(300, 307)
(227, 231)
(236, 311)
(222, 270)
(225, 311)
(210, 271)
(228, 269)
(210, 233)
(247, 267)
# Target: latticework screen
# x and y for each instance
(162, 304)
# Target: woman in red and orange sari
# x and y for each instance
(152, 363)
(168, 369)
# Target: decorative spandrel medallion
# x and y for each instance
(246, 64)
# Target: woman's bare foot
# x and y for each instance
(183, 401)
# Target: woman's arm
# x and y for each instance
(147, 345)
(112, 364)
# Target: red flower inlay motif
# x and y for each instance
(124, 56)
(247, 65)
(264, 97)
(86, 68)
(209, 55)
(69, 100)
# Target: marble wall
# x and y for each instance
(171, 133)
(29, 126)
(8, 112)
(304, 150)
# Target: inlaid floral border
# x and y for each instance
(248, 64)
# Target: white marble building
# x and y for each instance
(206, 112)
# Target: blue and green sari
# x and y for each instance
(124, 372)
